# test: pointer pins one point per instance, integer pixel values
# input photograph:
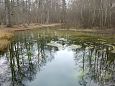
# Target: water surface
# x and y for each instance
(35, 59)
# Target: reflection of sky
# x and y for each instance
(4, 72)
(58, 68)
(60, 72)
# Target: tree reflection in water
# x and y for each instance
(97, 64)
(27, 55)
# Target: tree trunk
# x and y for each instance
(8, 13)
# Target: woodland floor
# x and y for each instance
(26, 27)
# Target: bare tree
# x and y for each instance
(8, 13)
(78, 13)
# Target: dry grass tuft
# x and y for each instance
(6, 35)
(4, 45)
(5, 39)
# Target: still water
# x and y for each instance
(35, 59)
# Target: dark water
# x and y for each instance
(42, 60)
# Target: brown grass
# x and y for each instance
(5, 35)
(5, 39)
(4, 45)
(25, 27)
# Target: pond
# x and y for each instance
(39, 59)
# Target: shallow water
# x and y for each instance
(42, 60)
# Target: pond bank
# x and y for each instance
(6, 34)
(27, 27)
